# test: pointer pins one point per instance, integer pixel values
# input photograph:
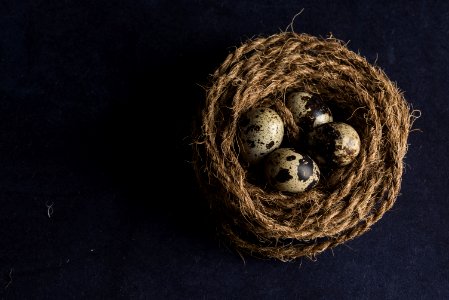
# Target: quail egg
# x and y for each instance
(261, 131)
(334, 143)
(308, 110)
(289, 171)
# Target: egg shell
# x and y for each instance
(308, 110)
(334, 143)
(289, 171)
(261, 131)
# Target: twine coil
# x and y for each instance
(349, 200)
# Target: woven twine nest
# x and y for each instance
(348, 200)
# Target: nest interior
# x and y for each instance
(262, 222)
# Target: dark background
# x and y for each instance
(96, 100)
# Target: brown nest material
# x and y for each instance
(348, 200)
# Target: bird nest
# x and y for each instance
(348, 200)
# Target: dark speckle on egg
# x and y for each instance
(252, 128)
(305, 168)
(270, 144)
(283, 175)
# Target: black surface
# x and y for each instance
(81, 85)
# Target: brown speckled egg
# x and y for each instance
(290, 171)
(308, 110)
(260, 132)
(334, 143)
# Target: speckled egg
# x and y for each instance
(260, 132)
(308, 110)
(289, 171)
(334, 143)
